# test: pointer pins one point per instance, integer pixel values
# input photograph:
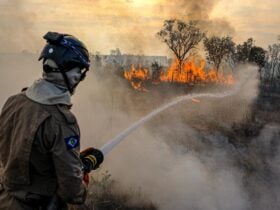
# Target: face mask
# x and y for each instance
(74, 76)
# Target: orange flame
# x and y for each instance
(190, 72)
(137, 77)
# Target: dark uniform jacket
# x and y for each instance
(39, 151)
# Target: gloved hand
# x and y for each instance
(91, 158)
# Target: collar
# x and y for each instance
(48, 93)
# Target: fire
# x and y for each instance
(188, 73)
(137, 77)
(191, 72)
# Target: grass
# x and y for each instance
(104, 194)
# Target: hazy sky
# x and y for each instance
(131, 25)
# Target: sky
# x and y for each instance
(131, 25)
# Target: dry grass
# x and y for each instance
(104, 194)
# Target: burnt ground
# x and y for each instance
(254, 147)
(257, 141)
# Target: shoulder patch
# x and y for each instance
(72, 142)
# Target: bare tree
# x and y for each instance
(180, 37)
(156, 71)
(274, 59)
(258, 56)
(270, 73)
(218, 49)
(97, 59)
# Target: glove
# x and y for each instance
(91, 158)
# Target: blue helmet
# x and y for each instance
(66, 50)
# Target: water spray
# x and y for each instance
(106, 148)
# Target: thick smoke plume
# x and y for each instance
(167, 158)
(182, 159)
(189, 9)
(198, 10)
(105, 25)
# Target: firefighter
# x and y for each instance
(40, 138)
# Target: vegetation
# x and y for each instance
(270, 71)
(180, 37)
(104, 194)
(219, 49)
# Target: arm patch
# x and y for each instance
(72, 142)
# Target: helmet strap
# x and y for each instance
(48, 68)
(82, 78)
(66, 80)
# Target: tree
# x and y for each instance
(97, 59)
(257, 56)
(180, 37)
(243, 51)
(270, 74)
(274, 59)
(249, 53)
(156, 71)
(218, 49)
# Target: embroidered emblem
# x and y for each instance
(72, 142)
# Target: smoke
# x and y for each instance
(103, 25)
(18, 71)
(17, 27)
(179, 160)
(217, 27)
(188, 9)
(171, 160)
(198, 10)
(263, 156)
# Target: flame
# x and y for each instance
(191, 72)
(137, 77)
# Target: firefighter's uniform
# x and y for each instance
(39, 148)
